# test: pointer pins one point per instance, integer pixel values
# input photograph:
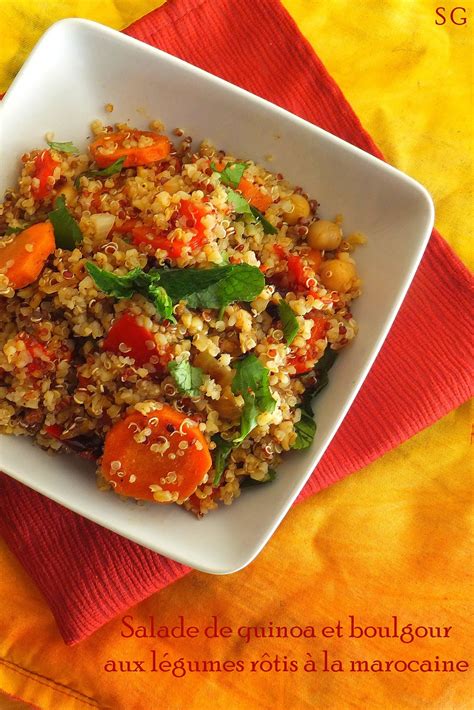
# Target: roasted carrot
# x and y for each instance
(250, 190)
(137, 147)
(161, 455)
(254, 195)
(45, 165)
(22, 257)
(126, 337)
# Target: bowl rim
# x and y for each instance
(73, 24)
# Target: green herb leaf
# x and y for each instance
(325, 363)
(238, 202)
(66, 147)
(115, 285)
(306, 427)
(242, 206)
(212, 288)
(221, 454)
(161, 300)
(14, 230)
(288, 321)
(232, 173)
(305, 431)
(267, 227)
(66, 230)
(111, 169)
(136, 281)
(251, 381)
(188, 378)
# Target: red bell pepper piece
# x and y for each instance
(45, 165)
(192, 214)
(126, 337)
(146, 235)
(304, 359)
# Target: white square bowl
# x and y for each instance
(75, 69)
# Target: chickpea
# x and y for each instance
(324, 235)
(338, 275)
(301, 209)
(69, 193)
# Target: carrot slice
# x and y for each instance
(160, 456)
(254, 195)
(22, 259)
(111, 146)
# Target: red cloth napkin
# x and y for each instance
(88, 574)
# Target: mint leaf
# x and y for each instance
(232, 173)
(267, 227)
(200, 288)
(115, 285)
(238, 202)
(66, 147)
(251, 381)
(305, 430)
(212, 288)
(288, 321)
(66, 230)
(111, 169)
(221, 454)
(161, 300)
(136, 281)
(188, 379)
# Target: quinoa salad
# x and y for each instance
(168, 312)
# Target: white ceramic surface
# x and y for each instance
(75, 69)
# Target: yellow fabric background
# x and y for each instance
(392, 539)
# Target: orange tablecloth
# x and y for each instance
(389, 540)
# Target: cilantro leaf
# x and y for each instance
(305, 430)
(238, 202)
(66, 147)
(251, 381)
(267, 227)
(221, 454)
(66, 230)
(288, 321)
(111, 169)
(212, 288)
(242, 206)
(232, 174)
(188, 378)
